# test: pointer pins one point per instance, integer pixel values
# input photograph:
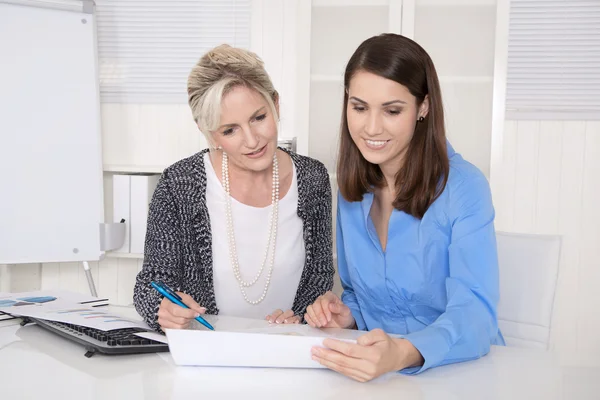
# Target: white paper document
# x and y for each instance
(153, 336)
(59, 306)
(240, 342)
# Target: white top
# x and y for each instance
(251, 229)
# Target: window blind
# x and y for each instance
(554, 58)
(146, 48)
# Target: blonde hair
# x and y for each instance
(216, 74)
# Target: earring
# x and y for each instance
(421, 119)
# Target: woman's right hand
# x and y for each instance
(328, 311)
(172, 316)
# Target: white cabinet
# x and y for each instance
(338, 27)
(336, 31)
(459, 37)
(457, 34)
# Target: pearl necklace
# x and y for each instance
(272, 231)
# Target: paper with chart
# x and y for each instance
(56, 308)
(61, 294)
(43, 295)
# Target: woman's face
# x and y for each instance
(248, 129)
(381, 116)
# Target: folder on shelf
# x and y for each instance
(142, 189)
(121, 200)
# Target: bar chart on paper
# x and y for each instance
(69, 312)
(91, 316)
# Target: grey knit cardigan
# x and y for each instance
(178, 246)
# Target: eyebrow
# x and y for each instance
(387, 103)
(252, 116)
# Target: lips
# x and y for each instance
(257, 153)
(376, 144)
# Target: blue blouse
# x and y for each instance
(436, 284)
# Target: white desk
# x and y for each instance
(35, 364)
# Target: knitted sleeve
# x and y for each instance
(317, 277)
(162, 253)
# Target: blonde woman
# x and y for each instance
(242, 229)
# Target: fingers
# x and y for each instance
(309, 320)
(311, 317)
(166, 313)
(327, 299)
(340, 308)
(280, 317)
(293, 320)
(348, 349)
(284, 316)
(168, 320)
(349, 372)
(372, 337)
(168, 324)
(273, 316)
(191, 303)
(343, 364)
(172, 316)
(320, 311)
(179, 311)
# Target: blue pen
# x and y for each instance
(175, 298)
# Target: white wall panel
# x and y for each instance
(547, 182)
(148, 136)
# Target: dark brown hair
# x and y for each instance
(424, 173)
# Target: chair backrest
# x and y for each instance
(528, 274)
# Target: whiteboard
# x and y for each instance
(51, 196)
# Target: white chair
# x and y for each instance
(528, 274)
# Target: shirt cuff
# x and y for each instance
(350, 301)
(431, 344)
(360, 322)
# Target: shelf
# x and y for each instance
(112, 254)
(286, 142)
(136, 169)
(349, 3)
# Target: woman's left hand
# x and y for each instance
(280, 317)
(375, 354)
